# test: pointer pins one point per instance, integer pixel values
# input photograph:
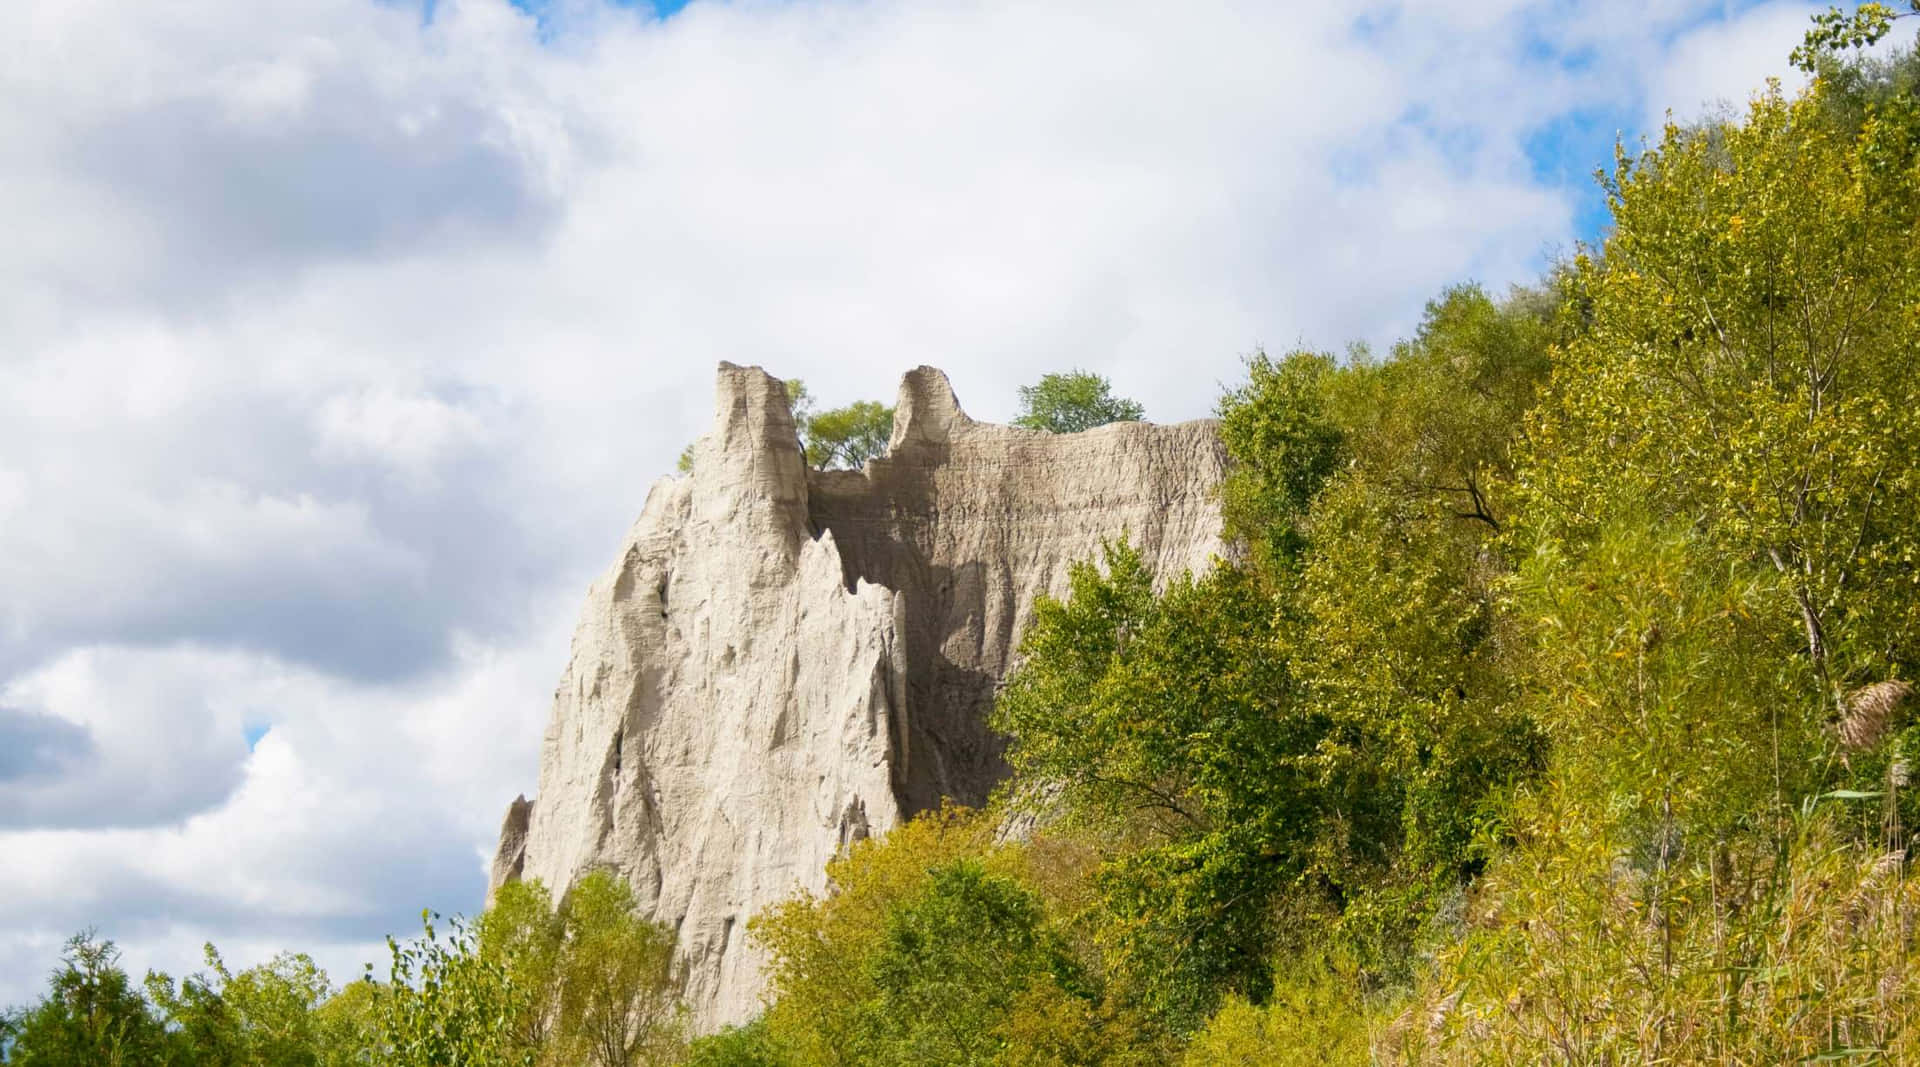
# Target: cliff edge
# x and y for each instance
(785, 660)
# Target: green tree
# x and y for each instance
(847, 437)
(1749, 371)
(935, 944)
(1313, 1019)
(589, 984)
(751, 1045)
(952, 963)
(93, 1015)
(1285, 443)
(819, 945)
(523, 935)
(264, 1015)
(445, 1003)
(619, 998)
(1835, 31)
(1716, 516)
(1171, 720)
(347, 1027)
(1308, 747)
(1073, 401)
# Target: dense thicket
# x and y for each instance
(587, 984)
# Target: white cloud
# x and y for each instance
(358, 806)
(336, 349)
(1720, 65)
(411, 433)
(150, 739)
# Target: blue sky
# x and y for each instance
(542, 8)
(339, 345)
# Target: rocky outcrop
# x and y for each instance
(783, 661)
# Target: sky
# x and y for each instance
(340, 341)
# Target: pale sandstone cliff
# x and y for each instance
(785, 660)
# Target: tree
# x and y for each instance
(1302, 749)
(346, 1024)
(445, 1002)
(1074, 401)
(1285, 444)
(819, 946)
(1171, 721)
(1715, 516)
(265, 1014)
(521, 933)
(1313, 1019)
(952, 964)
(1749, 371)
(619, 998)
(847, 437)
(750, 1045)
(92, 1016)
(934, 944)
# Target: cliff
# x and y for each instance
(785, 660)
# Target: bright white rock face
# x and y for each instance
(783, 661)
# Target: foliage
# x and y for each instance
(1285, 445)
(1307, 746)
(1072, 401)
(1749, 371)
(522, 935)
(264, 1015)
(445, 1002)
(750, 1045)
(1170, 715)
(935, 945)
(1836, 30)
(92, 1016)
(953, 962)
(344, 1025)
(1312, 1019)
(589, 984)
(1856, 87)
(282, 1013)
(849, 436)
(618, 995)
(1717, 503)
(1746, 955)
(820, 945)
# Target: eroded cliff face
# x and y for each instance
(783, 661)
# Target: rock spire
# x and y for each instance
(782, 660)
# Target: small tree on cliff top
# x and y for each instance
(1074, 401)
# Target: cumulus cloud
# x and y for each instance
(358, 805)
(149, 737)
(339, 340)
(1719, 65)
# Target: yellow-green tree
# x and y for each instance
(618, 993)
(820, 945)
(1749, 370)
(1719, 518)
